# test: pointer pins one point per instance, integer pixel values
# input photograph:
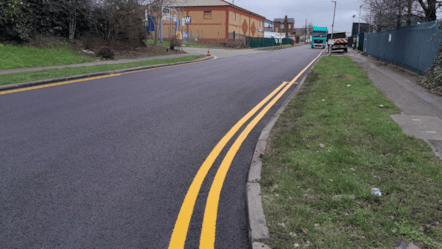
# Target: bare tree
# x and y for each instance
(72, 9)
(121, 21)
(156, 9)
(390, 14)
(429, 8)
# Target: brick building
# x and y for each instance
(214, 21)
(278, 25)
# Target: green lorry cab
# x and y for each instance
(319, 37)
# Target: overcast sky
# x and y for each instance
(318, 12)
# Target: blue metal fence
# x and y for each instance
(411, 47)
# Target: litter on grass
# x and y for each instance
(376, 191)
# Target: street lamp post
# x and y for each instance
(359, 24)
(333, 26)
(353, 40)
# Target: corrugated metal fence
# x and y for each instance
(411, 47)
(254, 42)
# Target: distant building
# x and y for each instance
(268, 26)
(278, 25)
(213, 21)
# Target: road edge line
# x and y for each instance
(83, 76)
(257, 222)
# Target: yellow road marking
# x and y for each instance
(207, 240)
(182, 224)
(93, 78)
(56, 84)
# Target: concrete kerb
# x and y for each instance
(258, 230)
(83, 76)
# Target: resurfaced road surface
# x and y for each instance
(107, 163)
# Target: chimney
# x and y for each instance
(286, 26)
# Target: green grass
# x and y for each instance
(165, 43)
(188, 44)
(280, 47)
(200, 45)
(56, 53)
(327, 190)
(14, 78)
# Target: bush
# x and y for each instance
(174, 42)
(433, 79)
(106, 53)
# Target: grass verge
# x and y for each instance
(14, 78)
(56, 53)
(200, 45)
(165, 43)
(332, 144)
(280, 47)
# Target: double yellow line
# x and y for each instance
(207, 240)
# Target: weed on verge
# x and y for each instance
(333, 143)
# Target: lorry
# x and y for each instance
(339, 41)
(319, 37)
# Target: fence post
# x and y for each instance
(420, 52)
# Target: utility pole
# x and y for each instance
(161, 21)
(352, 38)
(333, 26)
(305, 34)
(359, 25)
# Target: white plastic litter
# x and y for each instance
(376, 191)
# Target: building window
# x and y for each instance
(290, 26)
(207, 14)
(282, 26)
(276, 29)
(234, 16)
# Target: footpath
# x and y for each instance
(421, 115)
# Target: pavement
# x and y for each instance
(421, 115)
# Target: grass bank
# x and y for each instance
(187, 44)
(333, 143)
(7, 79)
(281, 47)
(200, 45)
(56, 53)
(151, 42)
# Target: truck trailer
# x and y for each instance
(339, 41)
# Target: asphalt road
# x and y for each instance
(107, 163)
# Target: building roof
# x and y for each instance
(207, 3)
(281, 20)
